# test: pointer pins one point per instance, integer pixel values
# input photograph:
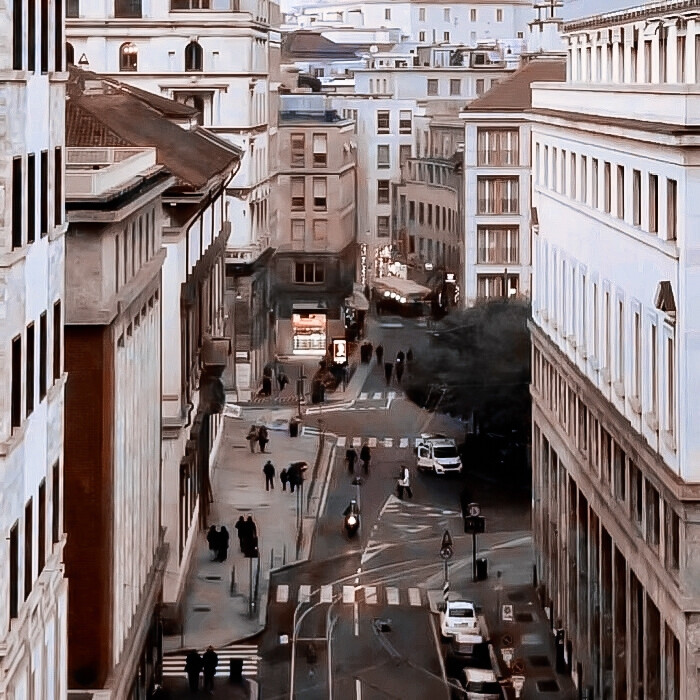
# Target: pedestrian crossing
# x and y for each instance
(174, 665)
(376, 396)
(403, 443)
(347, 594)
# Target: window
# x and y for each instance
(189, 4)
(572, 181)
(43, 342)
(70, 54)
(555, 169)
(472, 15)
(594, 183)
(127, 8)
(636, 197)
(44, 193)
(670, 386)
(653, 203)
(620, 472)
(16, 390)
(652, 502)
(382, 227)
(673, 536)
(44, 37)
(497, 195)
(405, 118)
(320, 229)
(298, 144)
(383, 121)
(128, 57)
(492, 286)
(411, 211)
(584, 179)
(29, 382)
(430, 214)
(31, 198)
(298, 195)
(499, 15)
(480, 86)
(17, 203)
(57, 333)
(58, 35)
(56, 502)
(498, 244)
(607, 194)
(383, 192)
(193, 57)
(28, 553)
(421, 14)
(445, 36)
(671, 209)
(31, 33)
(404, 154)
(620, 342)
(308, 273)
(620, 192)
(421, 36)
(72, 8)
(653, 368)
(41, 525)
(14, 571)
(320, 203)
(421, 213)
(383, 158)
(637, 360)
(387, 13)
(58, 187)
(320, 150)
(298, 228)
(432, 86)
(636, 493)
(497, 147)
(446, 14)
(455, 86)
(18, 38)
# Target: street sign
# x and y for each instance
(507, 655)
(446, 552)
(507, 613)
(518, 683)
(340, 351)
(474, 509)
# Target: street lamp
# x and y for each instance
(446, 554)
(474, 525)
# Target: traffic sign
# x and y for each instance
(507, 613)
(474, 509)
(446, 552)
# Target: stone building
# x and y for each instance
(33, 588)
(615, 359)
(115, 554)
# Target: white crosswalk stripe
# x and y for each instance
(341, 441)
(356, 441)
(327, 593)
(403, 442)
(414, 596)
(388, 442)
(304, 593)
(372, 442)
(363, 396)
(369, 594)
(282, 593)
(392, 595)
(348, 594)
(377, 395)
(174, 665)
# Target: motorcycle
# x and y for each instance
(351, 523)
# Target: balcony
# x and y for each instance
(676, 105)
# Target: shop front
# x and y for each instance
(309, 333)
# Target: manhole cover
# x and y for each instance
(539, 660)
(524, 617)
(516, 596)
(201, 608)
(212, 578)
(548, 686)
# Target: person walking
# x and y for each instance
(193, 667)
(388, 369)
(250, 538)
(252, 437)
(269, 472)
(210, 661)
(240, 530)
(380, 354)
(404, 483)
(409, 356)
(224, 538)
(351, 458)
(365, 457)
(213, 541)
(284, 477)
(262, 438)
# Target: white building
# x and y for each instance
(616, 359)
(33, 589)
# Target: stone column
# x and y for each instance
(671, 56)
(690, 33)
(655, 67)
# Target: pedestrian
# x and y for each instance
(213, 540)
(251, 528)
(351, 458)
(284, 478)
(409, 356)
(262, 438)
(399, 370)
(365, 457)
(282, 381)
(400, 356)
(388, 368)
(292, 477)
(404, 483)
(380, 354)
(241, 530)
(193, 667)
(210, 661)
(223, 544)
(250, 539)
(269, 472)
(252, 437)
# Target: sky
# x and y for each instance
(582, 8)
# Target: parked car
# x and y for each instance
(438, 454)
(458, 617)
(481, 684)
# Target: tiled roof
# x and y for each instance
(514, 94)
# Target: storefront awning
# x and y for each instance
(357, 300)
(310, 306)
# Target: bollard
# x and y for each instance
(284, 555)
(272, 558)
(232, 590)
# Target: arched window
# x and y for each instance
(70, 54)
(128, 56)
(193, 56)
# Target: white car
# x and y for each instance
(481, 684)
(458, 619)
(438, 454)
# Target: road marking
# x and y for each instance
(358, 689)
(304, 593)
(372, 442)
(417, 442)
(388, 442)
(392, 595)
(371, 595)
(513, 543)
(356, 441)
(174, 666)
(356, 615)
(327, 593)
(282, 593)
(391, 395)
(403, 442)
(363, 396)
(414, 596)
(377, 395)
(341, 441)
(348, 594)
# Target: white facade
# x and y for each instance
(33, 589)
(616, 358)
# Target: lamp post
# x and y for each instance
(446, 554)
(473, 525)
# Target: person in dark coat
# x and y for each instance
(252, 437)
(223, 544)
(250, 538)
(388, 369)
(240, 530)
(365, 457)
(266, 386)
(251, 527)
(284, 478)
(262, 437)
(380, 354)
(193, 667)
(210, 661)
(269, 472)
(351, 458)
(213, 540)
(400, 359)
(282, 381)
(409, 356)
(292, 477)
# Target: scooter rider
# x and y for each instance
(352, 517)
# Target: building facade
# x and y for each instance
(115, 554)
(33, 587)
(314, 261)
(615, 352)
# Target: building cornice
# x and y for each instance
(131, 26)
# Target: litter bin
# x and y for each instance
(481, 569)
(235, 670)
(294, 427)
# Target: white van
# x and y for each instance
(438, 454)
(481, 684)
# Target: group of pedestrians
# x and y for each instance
(402, 360)
(291, 475)
(196, 663)
(218, 542)
(365, 458)
(257, 435)
(247, 532)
